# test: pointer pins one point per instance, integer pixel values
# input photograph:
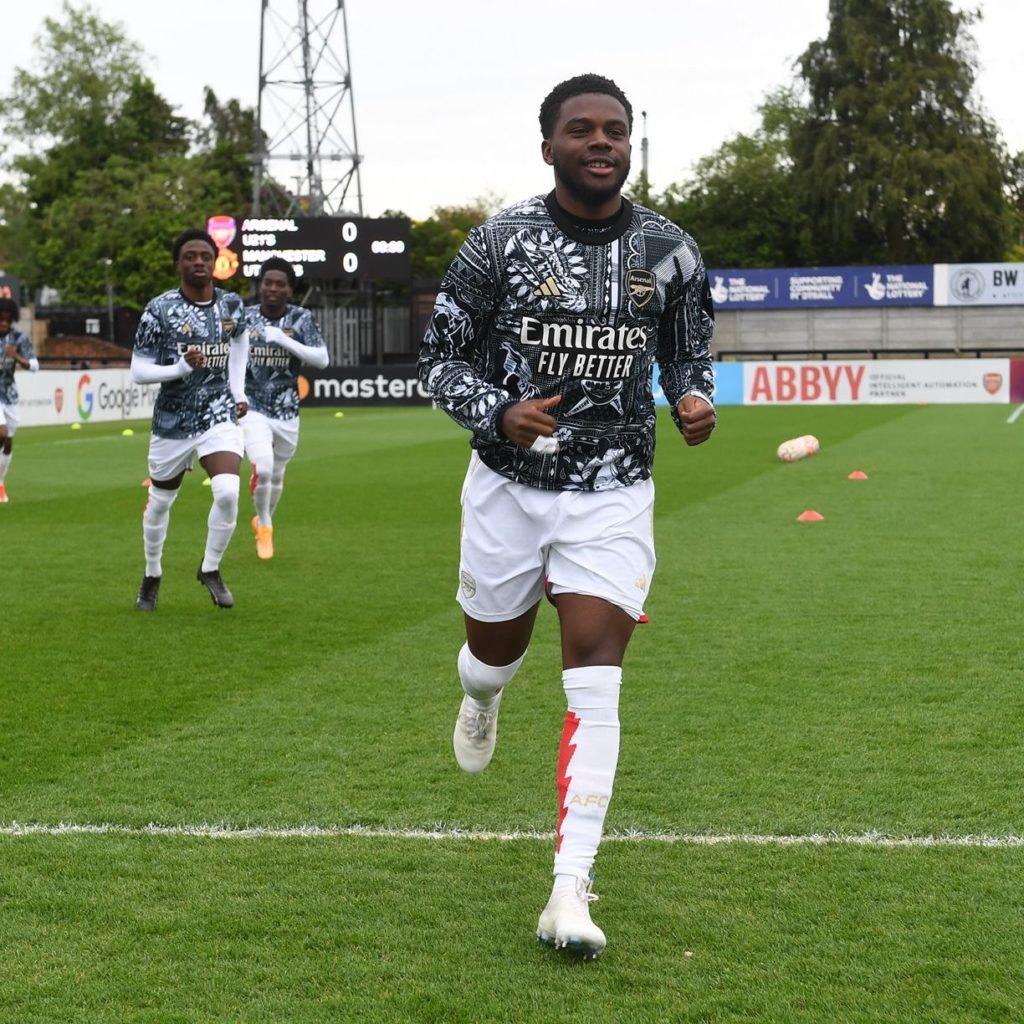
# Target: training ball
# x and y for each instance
(338, 415)
(76, 426)
(797, 448)
(127, 432)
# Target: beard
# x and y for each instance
(590, 195)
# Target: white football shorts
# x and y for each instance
(10, 414)
(598, 543)
(168, 456)
(279, 436)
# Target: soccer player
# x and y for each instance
(193, 342)
(15, 350)
(542, 343)
(281, 338)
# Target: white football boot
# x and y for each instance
(565, 922)
(476, 732)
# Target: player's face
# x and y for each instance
(6, 321)
(275, 291)
(589, 148)
(195, 263)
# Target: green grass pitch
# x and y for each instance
(844, 683)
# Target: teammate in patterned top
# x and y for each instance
(193, 342)
(281, 338)
(15, 350)
(542, 344)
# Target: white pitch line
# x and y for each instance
(1016, 414)
(209, 831)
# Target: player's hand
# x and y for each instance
(698, 419)
(195, 358)
(524, 422)
(241, 408)
(10, 351)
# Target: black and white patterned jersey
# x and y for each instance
(536, 305)
(170, 324)
(20, 341)
(271, 378)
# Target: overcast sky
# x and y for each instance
(447, 92)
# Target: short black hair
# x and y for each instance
(10, 306)
(192, 235)
(552, 105)
(276, 263)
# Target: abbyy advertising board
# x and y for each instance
(350, 249)
(979, 284)
(877, 382)
(822, 287)
(82, 396)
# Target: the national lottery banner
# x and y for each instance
(82, 396)
(823, 287)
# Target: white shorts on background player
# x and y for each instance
(168, 456)
(597, 543)
(282, 436)
(10, 414)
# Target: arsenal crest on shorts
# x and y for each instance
(640, 286)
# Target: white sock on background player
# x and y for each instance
(220, 524)
(5, 461)
(587, 758)
(156, 518)
(262, 459)
(276, 485)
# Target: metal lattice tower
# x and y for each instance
(306, 111)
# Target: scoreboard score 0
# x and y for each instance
(352, 249)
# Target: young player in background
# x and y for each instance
(193, 342)
(15, 350)
(281, 338)
(542, 344)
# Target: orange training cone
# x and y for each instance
(857, 475)
(810, 516)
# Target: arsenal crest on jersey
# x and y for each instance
(640, 286)
(227, 325)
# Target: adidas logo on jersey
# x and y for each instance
(548, 289)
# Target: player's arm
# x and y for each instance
(20, 350)
(238, 358)
(146, 367)
(313, 355)
(448, 353)
(684, 347)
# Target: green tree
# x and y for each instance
(434, 242)
(225, 143)
(740, 204)
(893, 162)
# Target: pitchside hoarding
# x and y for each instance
(823, 287)
(82, 396)
(877, 382)
(979, 284)
(76, 396)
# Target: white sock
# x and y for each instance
(482, 682)
(220, 524)
(156, 517)
(276, 485)
(587, 757)
(262, 459)
(5, 461)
